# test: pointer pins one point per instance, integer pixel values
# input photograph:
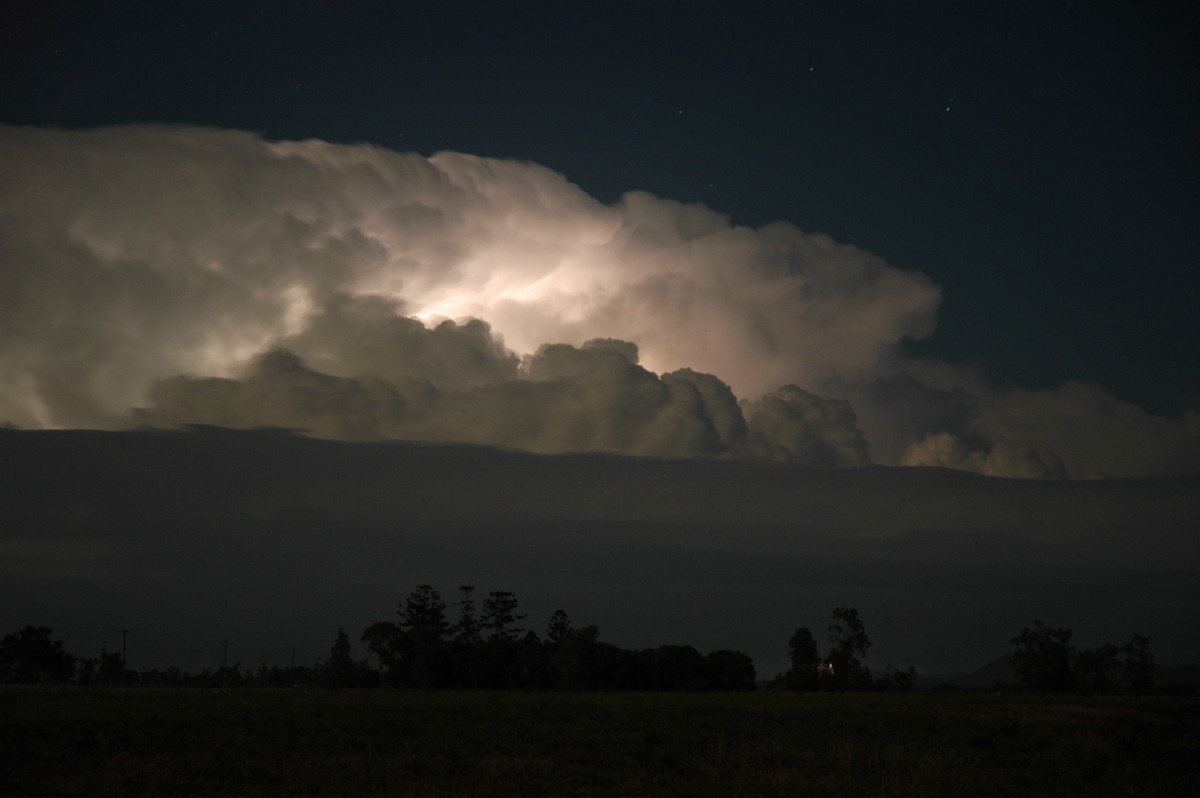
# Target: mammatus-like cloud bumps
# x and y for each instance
(211, 276)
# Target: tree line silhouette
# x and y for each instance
(485, 648)
(1045, 662)
(842, 668)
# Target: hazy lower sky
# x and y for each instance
(957, 237)
(276, 540)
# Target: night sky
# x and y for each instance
(961, 235)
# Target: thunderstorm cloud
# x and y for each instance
(172, 275)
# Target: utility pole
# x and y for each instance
(124, 666)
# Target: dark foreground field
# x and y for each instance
(95, 742)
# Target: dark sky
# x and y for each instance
(1036, 160)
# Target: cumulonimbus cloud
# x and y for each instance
(212, 275)
(594, 398)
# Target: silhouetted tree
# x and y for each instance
(1138, 668)
(848, 645)
(538, 669)
(224, 676)
(802, 649)
(171, 677)
(730, 670)
(424, 614)
(559, 627)
(424, 657)
(424, 660)
(85, 671)
(672, 668)
(274, 676)
(31, 657)
(467, 629)
(1043, 658)
(385, 640)
(111, 668)
(499, 615)
(574, 657)
(896, 680)
(1096, 671)
(339, 670)
(415, 653)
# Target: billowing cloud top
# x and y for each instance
(213, 276)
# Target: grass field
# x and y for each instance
(96, 742)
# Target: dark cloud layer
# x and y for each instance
(276, 540)
(212, 276)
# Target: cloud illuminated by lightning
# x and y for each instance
(134, 254)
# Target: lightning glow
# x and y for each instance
(138, 260)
